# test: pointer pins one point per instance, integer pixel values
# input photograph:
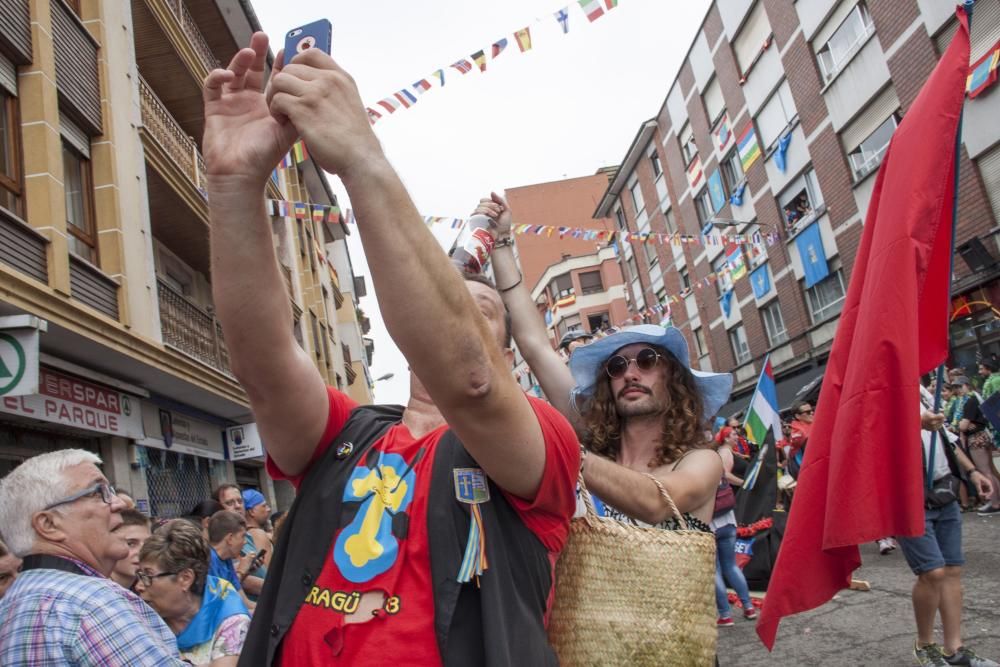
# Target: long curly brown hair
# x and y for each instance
(683, 426)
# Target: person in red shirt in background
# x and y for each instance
(799, 436)
(377, 595)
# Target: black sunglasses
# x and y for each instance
(644, 361)
(147, 578)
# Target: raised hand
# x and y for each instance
(321, 100)
(243, 141)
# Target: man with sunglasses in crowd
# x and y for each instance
(645, 413)
(59, 513)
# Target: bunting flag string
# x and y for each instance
(592, 9)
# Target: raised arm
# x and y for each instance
(526, 325)
(427, 308)
(242, 144)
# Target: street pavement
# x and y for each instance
(877, 627)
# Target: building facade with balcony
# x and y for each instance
(768, 142)
(104, 235)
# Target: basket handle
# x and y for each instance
(591, 511)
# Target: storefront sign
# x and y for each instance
(19, 354)
(64, 399)
(177, 432)
(244, 442)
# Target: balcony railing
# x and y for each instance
(161, 125)
(193, 33)
(190, 329)
(348, 368)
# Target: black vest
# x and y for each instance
(498, 623)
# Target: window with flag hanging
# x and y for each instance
(868, 155)
(845, 41)
(774, 323)
(777, 114)
(826, 298)
(561, 287)
(732, 171)
(590, 282)
(738, 341)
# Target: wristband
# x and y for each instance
(505, 241)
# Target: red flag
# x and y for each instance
(862, 477)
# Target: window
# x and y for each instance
(633, 271)
(598, 321)
(699, 342)
(79, 205)
(561, 287)
(620, 218)
(10, 155)
(738, 341)
(591, 283)
(652, 257)
(669, 221)
(826, 298)
(748, 43)
(685, 279)
(774, 324)
(776, 115)
(800, 201)
(868, 155)
(703, 204)
(636, 193)
(845, 41)
(571, 323)
(714, 102)
(654, 161)
(688, 147)
(74, 5)
(732, 171)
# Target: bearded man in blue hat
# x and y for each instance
(644, 412)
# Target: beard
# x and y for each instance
(642, 407)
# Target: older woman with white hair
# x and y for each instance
(58, 513)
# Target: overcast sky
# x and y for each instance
(570, 105)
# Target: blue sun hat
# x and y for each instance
(586, 363)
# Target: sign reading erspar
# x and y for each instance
(64, 399)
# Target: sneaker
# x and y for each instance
(750, 613)
(886, 546)
(929, 655)
(990, 510)
(724, 622)
(964, 656)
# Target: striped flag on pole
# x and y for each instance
(763, 413)
(592, 8)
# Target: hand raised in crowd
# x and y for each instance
(497, 209)
(243, 141)
(322, 101)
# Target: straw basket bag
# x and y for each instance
(627, 595)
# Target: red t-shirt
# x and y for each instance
(380, 551)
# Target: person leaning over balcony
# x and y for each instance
(58, 512)
(426, 534)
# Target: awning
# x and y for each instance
(790, 388)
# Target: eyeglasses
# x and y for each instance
(647, 358)
(804, 412)
(147, 579)
(108, 494)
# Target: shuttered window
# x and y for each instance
(748, 43)
(832, 23)
(8, 76)
(989, 169)
(714, 102)
(15, 30)
(775, 115)
(76, 68)
(883, 106)
(985, 30)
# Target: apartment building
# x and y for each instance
(759, 166)
(104, 237)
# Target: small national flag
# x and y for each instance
(317, 211)
(983, 73)
(287, 161)
(592, 8)
(463, 66)
(563, 17)
(610, 4)
(440, 75)
(373, 115)
(300, 211)
(300, 151)
(422, 86)
(499, 46)
(747, 147)
(523, 37)
(390, 104)
(406, 98)
(763, 415)
(333, 214)
(480, 59)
